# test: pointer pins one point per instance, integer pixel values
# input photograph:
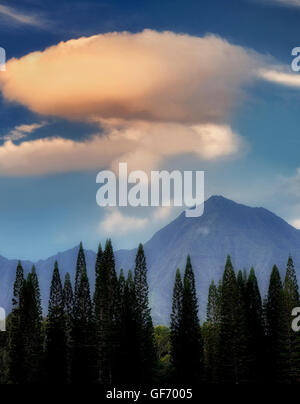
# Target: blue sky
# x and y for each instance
(46, 211)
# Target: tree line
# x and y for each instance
(244, 339)
(109, 338)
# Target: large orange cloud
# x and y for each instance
(155, 94)
(148, 76)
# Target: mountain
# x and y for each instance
(252, 236)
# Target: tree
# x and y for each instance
(243, 372)
(97, 293)
(80, 268)
(255, 330)
(228, 326)
(106, 297)
(127, 350)
(56, 341)
(213, 310)
(68, 300)
(83, 331)
(176, 327)
(163, 346)
(277, 336)
(15, 339)
(31, 325)
(191, 338)
(291, 300)
(211, 334)
(146, 357)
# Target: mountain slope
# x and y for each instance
(252, 236)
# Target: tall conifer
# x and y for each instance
(143, 317)
(56, 343)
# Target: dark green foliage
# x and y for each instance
(97, 297)
(211, 334)
(15, 339)
(145, 331)
(25, 331)
(277, 343)
(68, 301)
(228, 327)
(163, 347)
(242, 370)
(187, 345)
(114, 341)
(291, 300)
(176, 321)
(105, 300)
(213, 310)
(255, 330)
(56, 338)
(31, 325)
(18, 285)
(83, 330)
(128, 349)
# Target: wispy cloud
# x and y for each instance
(286, 3)
(19, 17)
(115, 221)
(295, 223)
(22, 131)
(282, 78)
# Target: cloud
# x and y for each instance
(22, 131)
(117, 223)
(282, 78)
(18, 17)
(142, 146)
(287, 3)
(295, 223)
(159, 94)
(148, 76)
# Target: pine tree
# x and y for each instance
(228, 326)
(83, 330)
(291, 300)
(146, 358)
(191, 340)
(243, 372)
(105, 307)
(211, 335)
(254, 316)
(97, 297)
(80, 268)
(277, 340)
(31, 325)
(15, 339)
(213, 304)
(127, 350)
(176, 328)
(68, 300)
(56, 333)
(18, 285)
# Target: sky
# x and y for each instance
(170, 84)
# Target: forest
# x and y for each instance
(109, 338)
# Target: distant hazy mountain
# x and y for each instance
(252, 236)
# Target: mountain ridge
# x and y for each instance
(252, 236)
